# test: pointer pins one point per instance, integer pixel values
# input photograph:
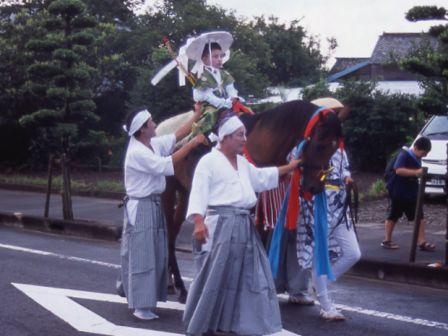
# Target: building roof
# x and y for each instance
(396, 46)
(390, 47)
(343, 63)
(348, 70)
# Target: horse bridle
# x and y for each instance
(322, 171)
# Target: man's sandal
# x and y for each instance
(389, 244)
(425, 246)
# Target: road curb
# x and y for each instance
(43, 189)
(78, 228)
(414, 274)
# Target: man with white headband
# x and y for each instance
(234, 290)
(144, 252)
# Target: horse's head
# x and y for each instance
(324, 138)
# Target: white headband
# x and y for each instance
(137, 122)
(230, 126)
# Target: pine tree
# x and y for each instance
(59, 83)
(432, 63)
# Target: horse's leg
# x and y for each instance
(179, 216)
(168, 203)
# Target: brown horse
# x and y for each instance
(272, 135)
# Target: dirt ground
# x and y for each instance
(435, 211)
(375, 211)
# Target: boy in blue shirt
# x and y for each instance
(403, 191)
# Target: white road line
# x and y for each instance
(376, 313)
(58, 301)
(359, 310)
(401, 318)
(57, 255)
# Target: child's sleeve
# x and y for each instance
(208, 96)
(231, 91)
(229, 84)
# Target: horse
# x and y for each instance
(271, 135)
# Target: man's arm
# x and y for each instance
(185, 129)
(200, 232)
(293, 164)
(185, 149)
(198, 200)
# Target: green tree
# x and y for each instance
(59, 84)
(295, 58)
(431, 64)
(379, 123)
(317, 90)
(111, 83)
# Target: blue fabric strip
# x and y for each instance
(321, 257)
(318, 111)
(275, 245)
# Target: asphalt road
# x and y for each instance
(53, 285)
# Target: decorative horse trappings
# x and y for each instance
(272, 135)
(291, 207)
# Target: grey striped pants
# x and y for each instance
(144, 255)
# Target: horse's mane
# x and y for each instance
(282, 117)
(332, 126)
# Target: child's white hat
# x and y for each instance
(193, 50)
(196, 46)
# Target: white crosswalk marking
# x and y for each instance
(58, 301)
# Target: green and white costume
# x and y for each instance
(215, 87)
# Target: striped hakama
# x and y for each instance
(234, 290)
(144, 255)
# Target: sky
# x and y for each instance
(356, 24)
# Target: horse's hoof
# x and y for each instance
(182, 298)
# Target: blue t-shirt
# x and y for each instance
(406, 187)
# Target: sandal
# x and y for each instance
(389, 244)
(425, 246)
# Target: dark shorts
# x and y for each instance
(399, 207)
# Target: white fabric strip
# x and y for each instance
(229, 127)
(138, 121)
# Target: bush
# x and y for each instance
(378, 123)
(377, 189)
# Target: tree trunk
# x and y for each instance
(49, 180)
(67, 209)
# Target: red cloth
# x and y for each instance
(292, 213)
(237, 107)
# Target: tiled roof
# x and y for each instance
(396, 46)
